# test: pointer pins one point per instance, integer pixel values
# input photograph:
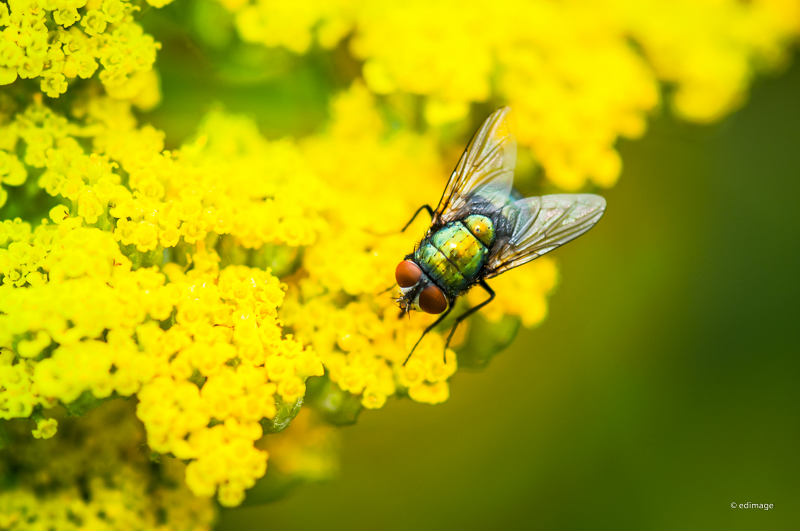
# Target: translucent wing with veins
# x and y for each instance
(537, 225)
(484, 172)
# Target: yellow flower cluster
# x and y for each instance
(105, 320)
(59, 41)
(81, 481)
(121, 292)
(578, 74)
(78, 315)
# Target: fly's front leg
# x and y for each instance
(426, 208)
(387, 289)
(431, 327)
(469, 312)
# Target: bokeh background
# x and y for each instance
(661, 388)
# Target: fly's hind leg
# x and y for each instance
(469, 312)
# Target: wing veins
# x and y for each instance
(554, 223)
(533, 241)
(538, 213)
(490, 154)
(487, 164)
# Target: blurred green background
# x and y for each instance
(661, 389)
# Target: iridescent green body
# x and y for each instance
(454, 255)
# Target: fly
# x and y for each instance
(482, 229)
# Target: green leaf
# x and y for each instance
(485, 340)
(335, 406)
(286, 413)
(282, 260)
(274, 486)
(146, 259)
(84, 404)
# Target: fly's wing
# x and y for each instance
(485, 171)
(537, 225)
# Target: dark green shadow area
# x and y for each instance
(202, 65)
(662, 388)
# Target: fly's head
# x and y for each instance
(418, 292)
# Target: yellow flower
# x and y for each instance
(12, 171)
(54, 85)
(89, 207)
(66, 17)
(430, 393)
(45, 429)
(94, 21)
(106, 35)
(291, 389)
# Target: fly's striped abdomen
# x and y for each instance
(452, 257)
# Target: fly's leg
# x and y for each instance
(431, 327)
(387, 289)
(469, 312)
(429, 210)
(426, 208)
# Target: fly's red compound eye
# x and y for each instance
(432, 300)
(407, 274)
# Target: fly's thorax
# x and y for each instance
(436, 266)
(482, 228)
(453, 256)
